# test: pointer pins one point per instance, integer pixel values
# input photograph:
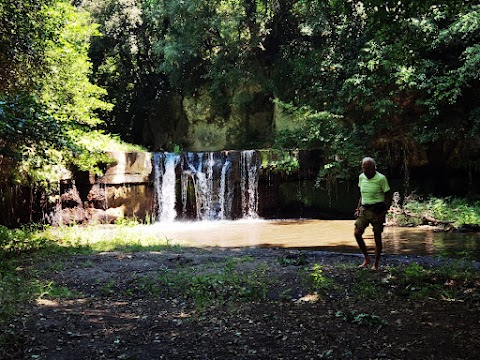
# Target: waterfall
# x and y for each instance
(165, 179)
(226, 191)
(184, 187)
(201, 184)
(214, 181)
(210, 210)
(249, 184)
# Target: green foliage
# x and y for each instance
(362, 319)
(299, 260)
(209, 40)
(123, 237)
(22, 43)
(444, 282)
(390, 78)
(219, 284)
(458, 210)
(14, 241)
(365, 286)
(52, 290)
(226, 286)
(48, 126)
(14, 289)
(282, 161)
(66, 93)
(123, 63)
(321, 283)
(340, 143)
(415, 273)
(392, 71)
(171, 49)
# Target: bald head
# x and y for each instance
(368, 159)
(369, 167)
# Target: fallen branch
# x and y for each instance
(425, 218)
(436, 221)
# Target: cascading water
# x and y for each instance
(226, 189)
(201, 183)
(165, 179)
(249, 184)
(208, 184)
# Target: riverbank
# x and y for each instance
(170, 302)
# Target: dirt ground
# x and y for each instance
(114, 308)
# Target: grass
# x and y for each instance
(29, 254)
(211, 283)
(365, 286)
(447, 282)
(93, 239)
(362, 319)
(321, 283)
(21, 249)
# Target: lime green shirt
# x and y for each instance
(373, 190)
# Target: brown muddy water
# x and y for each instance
(328, 235)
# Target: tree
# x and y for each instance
(125, 65)
(49, 123)
(22, 43)
(400, 76)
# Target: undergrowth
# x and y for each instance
(458, 211)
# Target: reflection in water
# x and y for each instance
(333, 235)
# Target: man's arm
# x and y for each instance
(357, 210)
(388, 199)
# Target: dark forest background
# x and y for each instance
(398, 80)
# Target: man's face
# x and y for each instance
(368, 169)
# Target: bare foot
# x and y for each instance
(364, 264)
(375, 267)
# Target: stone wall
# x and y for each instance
(124, 191)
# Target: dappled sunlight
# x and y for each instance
(46, 303)
(104, 323)
(189, 302)
(309, 298)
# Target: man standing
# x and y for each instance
(375, 200)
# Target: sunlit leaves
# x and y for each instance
(45, 126)
(67, 92)
(464, 28)
(22, 42)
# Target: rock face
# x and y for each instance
(124, 191)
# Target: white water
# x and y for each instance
(249, 184)
(164, 165)
(201, 184)
(210, 176)
(225, 195)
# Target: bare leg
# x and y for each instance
(378, 249)
(361, 244)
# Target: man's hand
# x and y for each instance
(387, 208)
(356, 214)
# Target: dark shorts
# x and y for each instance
(367, 217)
